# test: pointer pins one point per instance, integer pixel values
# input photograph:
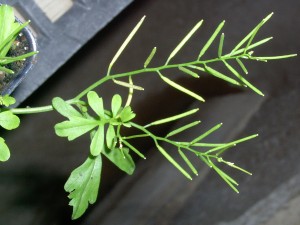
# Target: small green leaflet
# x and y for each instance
(96, 103)
(116, 103)
(121, 158)
(97, 144)
(126, 115)
(7, 100)
(4, 151)
(64, 108)
(8, 120)
(75, 127)
(83, 185)
(110, 137)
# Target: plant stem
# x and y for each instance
(150, 70)
(41, 109)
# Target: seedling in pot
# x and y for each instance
(13, 46)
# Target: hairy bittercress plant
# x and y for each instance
(85, 115)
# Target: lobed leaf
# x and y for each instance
(7, 100)
(127, 114)
(83, 185)
(75, 127)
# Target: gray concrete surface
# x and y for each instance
(31, 183)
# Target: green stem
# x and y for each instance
(41, 109)
(75, 100)
(149, 70)
(33, 110)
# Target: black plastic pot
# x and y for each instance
(28, 40)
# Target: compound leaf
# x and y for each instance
(83, 185)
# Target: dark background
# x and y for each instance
(31, 183)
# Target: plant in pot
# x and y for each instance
(85, 114)
(17, 50)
